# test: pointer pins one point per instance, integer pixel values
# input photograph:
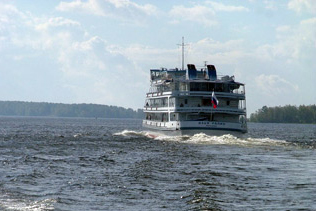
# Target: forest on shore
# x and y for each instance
(279, 114)
(18, 108)
(285, 114)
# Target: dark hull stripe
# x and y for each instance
(196, 128)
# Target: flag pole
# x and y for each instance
(212, 107)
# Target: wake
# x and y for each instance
(202, 138)
(24, 205)
(132, 134)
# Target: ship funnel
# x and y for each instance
(211, 71)
(191, 71)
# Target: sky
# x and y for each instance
(101, 51)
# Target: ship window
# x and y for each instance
(227, 102)
(185, 101)
(210, 87)
(219, 88)
(206, 102)
(226, 87)
(173, 117)
(183, 87)
(171, 102)
(203, 86)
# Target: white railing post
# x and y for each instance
(168, 108)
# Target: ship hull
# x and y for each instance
(154, 131)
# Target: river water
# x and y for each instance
(111, 164)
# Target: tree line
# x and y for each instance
(18, 108)
(285, 114)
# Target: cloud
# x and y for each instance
(301, 6)
(123, 10)
(200, 14)
(57, 22)
(210, 50)
(7, 11)
(219, 53)
(295, 43)
(53, 59)
(77, 5)
(8, 14)
(226, 8)
(96, 74)
(270, 5)
(148, 57)
(204, 14)
(274, 85)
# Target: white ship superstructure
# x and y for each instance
(183, 102)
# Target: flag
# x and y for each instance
(214, 100)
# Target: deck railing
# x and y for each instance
(206, 109)
(237, 94)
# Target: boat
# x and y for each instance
(190, 101)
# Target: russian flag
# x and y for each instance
(214, 100)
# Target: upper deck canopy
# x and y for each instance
(204, 75)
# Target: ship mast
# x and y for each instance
(182, 45)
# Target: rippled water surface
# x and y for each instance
(111, 164)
